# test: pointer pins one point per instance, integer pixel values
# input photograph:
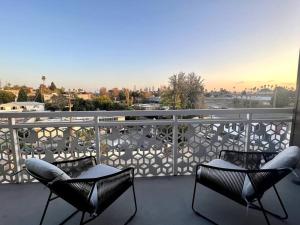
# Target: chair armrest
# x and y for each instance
(228, 182)
(96, 179)
(248, 160)
(108, 188)
(261, 180)
(75, 166)
(92, 158)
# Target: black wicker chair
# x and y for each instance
(241, 177)
(89, 187)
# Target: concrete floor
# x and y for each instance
(161, 201)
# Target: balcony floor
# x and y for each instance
(161, 201)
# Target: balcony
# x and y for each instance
(161, 145)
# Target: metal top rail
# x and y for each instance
(188, 112)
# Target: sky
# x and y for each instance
(122, 43)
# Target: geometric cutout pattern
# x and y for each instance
(7, 157)
(269, 136)
(55, 144)
(199, 143)
(146, 148)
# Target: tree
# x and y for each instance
(39, 97)
(135, 96)
(43, 79)
(128, 99)
(80, 104)
(122, 95)
(114, 93)
(58, 102)
(52, 86)
(103, 103)
(185, 91)
(22, 96)
(194, 91)
(6, 96)
(280, 97)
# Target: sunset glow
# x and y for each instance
(142, 43)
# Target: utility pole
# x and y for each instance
(275, 97)
(69, 100)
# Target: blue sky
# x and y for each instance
(124, 43)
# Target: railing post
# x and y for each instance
(15, 148)
(97, 140)
(70, 131)
(175, 144)
(248, 132)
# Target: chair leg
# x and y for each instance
(46, 207)
(127, 221)
(82, 218)
(135, 206)
(253, 206)
(264, 211)
(197, 212)
(281, 204)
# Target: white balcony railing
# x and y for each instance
(156, 143)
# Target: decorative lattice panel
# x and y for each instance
(269, 136)
(198, 143)
(55, 144)
(146, 148)
(7, 157)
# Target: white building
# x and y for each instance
(22, 106)
(150, 106)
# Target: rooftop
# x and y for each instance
(23, 103)
(161, 201)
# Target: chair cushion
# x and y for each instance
(100, 170)
(220, 163)
(223, 164)
(288, 158)
(44, 170)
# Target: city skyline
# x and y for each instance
(255, 87)
(122, 44)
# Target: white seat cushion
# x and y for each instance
(223, 164)
(45, 170)
(99, 170)
(288, 158)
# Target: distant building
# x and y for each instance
(31, 92)
(154, 99)
(85, 96)
(47, 97)
(22, 106)
(103, 91)
(265, 91)
(147, 106)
